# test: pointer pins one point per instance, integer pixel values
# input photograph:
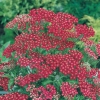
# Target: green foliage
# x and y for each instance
(79, 8)
(9, 35)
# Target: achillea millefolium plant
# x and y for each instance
(52, 58)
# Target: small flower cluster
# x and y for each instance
(42, 93)
(91, 53)
(4, 80)
(68, 90)
(98, 49)
(14, 96)
(57, 31)
(4, 83)
(83, 29)
(22, 81)
(20, 21)
(89, 90)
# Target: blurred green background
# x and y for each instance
(87, 11)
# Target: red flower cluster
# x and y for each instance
(93, 73)
(88, 42)
(22, 81)
(4, 83)
(84, 30)
(98, 49)
(42, 93)
(76, 54)
(23, 61)
(20, 21)
(4, 80)
(60, 24)
(68, 90)
(88, 90)
(91, 53)
(4, 64)
(7, 51)
(14, 96)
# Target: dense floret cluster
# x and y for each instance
(14, 96)
(42, 93)
(68, 90)
(59, 50)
